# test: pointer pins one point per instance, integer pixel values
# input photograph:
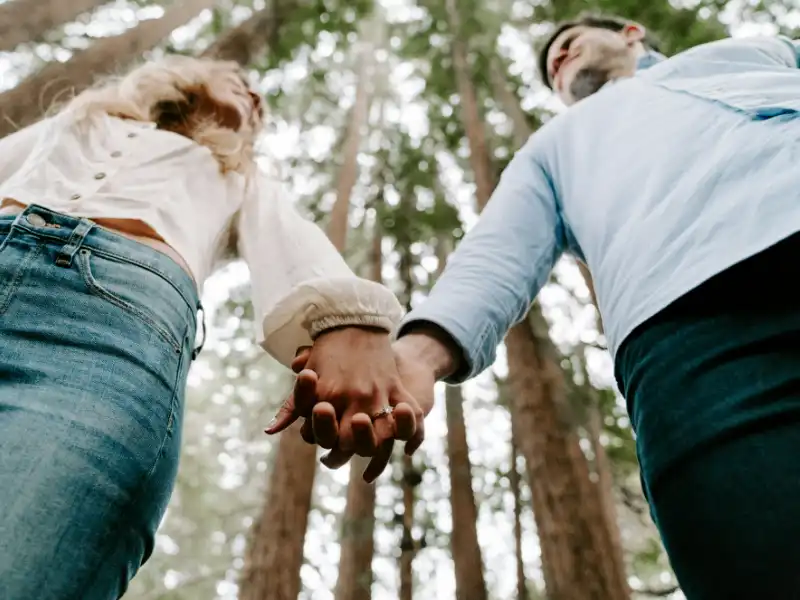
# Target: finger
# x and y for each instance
(305, 392)
(301, 358)
(379, 462)
(336, 458)
(286, 416)
(405, 422)
(416, 440)
(384, 429)
(325, 426)
(364, 442)
(299, 402)
(307, 432)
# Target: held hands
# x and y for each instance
(358, 394)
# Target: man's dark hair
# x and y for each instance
(587, 20)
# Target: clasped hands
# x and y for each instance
(358, 393)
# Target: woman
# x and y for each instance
(114, 211)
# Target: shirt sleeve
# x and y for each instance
(301, 285)
(494, 275)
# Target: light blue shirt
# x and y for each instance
(658, 181)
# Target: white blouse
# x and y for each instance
(120, 169)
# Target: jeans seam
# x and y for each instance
(18, 276)
(98, 290)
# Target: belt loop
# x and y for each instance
(200, 311)
(75, 241)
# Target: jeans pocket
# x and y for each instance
(139, 292)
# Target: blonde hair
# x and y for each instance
(165, 92)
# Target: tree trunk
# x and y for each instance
(31, 99)
(357, 537)
(359, 114)
(466, 551)
(241, 44)
(578, 558)
(605, 478)
(28, 20)
(516, 492)
(408, 546)
(275, 550)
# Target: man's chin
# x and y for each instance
(588, 81)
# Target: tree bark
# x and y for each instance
(357, 537)
(516, 492)
(241, 44)
(577, 552)
(578, 558)
(31, 99)
(470, 583)
(408, 546)
(275, 550)
(28, 20)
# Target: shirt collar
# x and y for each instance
(650, 58)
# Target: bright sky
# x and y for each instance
(284, 141)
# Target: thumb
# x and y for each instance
(303, 394)
(301, 358)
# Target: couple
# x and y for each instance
(676, 180)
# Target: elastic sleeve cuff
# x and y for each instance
(321, 304)
(319, 326)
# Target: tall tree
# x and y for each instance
(464, 546)
(31, 99)
(578, 558)
(28, 20)
(276, 555)
(243, 42)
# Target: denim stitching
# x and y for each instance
(22, 269)
(111, 255)
(97, 289)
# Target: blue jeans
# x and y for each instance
(96, 339)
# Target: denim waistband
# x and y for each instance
(75, 233)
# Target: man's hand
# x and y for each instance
(345, 384)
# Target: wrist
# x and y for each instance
(432, 346)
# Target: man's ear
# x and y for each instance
(633, 33)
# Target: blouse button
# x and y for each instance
(100, 176)
(75, 197)
(116, 154)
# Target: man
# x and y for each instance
(678, 182)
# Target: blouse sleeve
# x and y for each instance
(301, 285)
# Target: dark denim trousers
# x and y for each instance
(713, 390)
(96, 337)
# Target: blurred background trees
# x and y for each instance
(391, 120)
